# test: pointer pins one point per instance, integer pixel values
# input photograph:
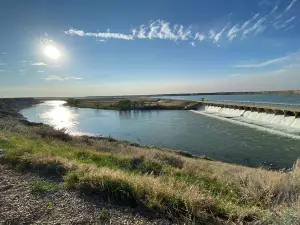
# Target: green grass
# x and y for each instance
(43, 187)
(103, 215)
(161, 180)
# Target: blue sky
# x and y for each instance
(112, 47)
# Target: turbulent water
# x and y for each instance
(287, 125)
(177, 129)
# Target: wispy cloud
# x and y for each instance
(256, 27)
(74, 78)
(193, 44)
(233, 31)
(290, 5)
(2, 70)
(264, 63)
(289, 28)
(99, 35)
(101, 40)
(219, 35)
(49, 78)
(274, 9)
(158, 29)
(40, 71)
(199, 36)
(21, 71)
(290, 20)
(3, 53)
(2, 63)
(39, 64)
(279, 24)
(163, 30)
(211, 34)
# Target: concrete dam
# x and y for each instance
(272, 117)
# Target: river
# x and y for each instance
(175, 129)
(283, 100)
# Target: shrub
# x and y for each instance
(49, 132)
(146, 166)
(124, 104)
(171, 160)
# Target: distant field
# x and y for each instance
(132, 103)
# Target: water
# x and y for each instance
(175, 129)
(286, 100)
(286, 124)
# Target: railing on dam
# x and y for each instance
(255, 107)
(271, 104)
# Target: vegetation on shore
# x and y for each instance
(172, 185)
(9, 107)
(132, 103)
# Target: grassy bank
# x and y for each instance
(162, 181)
(9, 107)
(132, 104)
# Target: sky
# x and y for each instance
(117, 47)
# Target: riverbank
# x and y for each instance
(155, 185)
(10, 107)
(133, 104)
(164, 183)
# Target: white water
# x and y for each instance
(296, 123)
(269, 120)
(277, 119)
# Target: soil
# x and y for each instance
(19, 205)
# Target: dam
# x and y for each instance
(268, 116)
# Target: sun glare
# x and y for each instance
(52, 52)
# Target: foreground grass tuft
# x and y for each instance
(103, 215)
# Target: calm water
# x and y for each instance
(176, 129)
(291, 100)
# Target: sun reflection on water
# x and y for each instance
(60, 116)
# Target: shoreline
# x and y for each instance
(127, 104)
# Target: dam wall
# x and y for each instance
(285, 118)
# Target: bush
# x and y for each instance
(145, 166)
(125, 104)
(49, 132)
(171, 160)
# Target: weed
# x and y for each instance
(103, 215)
(43, 187)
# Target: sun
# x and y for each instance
(52, 52)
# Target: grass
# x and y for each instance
(103, 215)
(43, 187)
(167, 182)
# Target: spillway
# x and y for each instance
(278, 118)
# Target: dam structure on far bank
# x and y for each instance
(273, 117)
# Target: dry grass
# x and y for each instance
(161, 180)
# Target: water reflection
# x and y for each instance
(60, 116)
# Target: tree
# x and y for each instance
(76, 102)
(124, 104)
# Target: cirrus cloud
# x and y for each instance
(39, 64)
(53, 77)
(162, 30)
